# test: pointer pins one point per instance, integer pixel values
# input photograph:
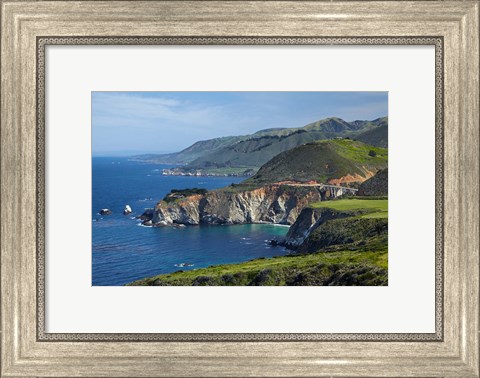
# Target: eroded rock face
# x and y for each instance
(299, 231)
(184, 212)
(272, 204)
(308, 221)
(344, 231)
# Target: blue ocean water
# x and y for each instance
(124, 251)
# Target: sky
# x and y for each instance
(129, 123)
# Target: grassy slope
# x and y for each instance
(362, 261)
(377, 208)
(190, 153)
(369, 267)
(321, 161)
(353, 232)
(257, 151)
(262, 147)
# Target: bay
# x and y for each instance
(124, 251)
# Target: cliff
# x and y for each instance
(271, 203)
(336, 222)
(308, 221)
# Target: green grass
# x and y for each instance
(244, 186)
(379, 215)
(315, 269)
(322, 161)
(377, 208)
(359, 152)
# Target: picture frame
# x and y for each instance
(27, 27)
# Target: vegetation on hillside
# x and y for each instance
(354, 231)
(373, 207)
(254, 150)
(322, 161)
(361, 267)
(176, 194)
(190, 153)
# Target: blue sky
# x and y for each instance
(128, 123)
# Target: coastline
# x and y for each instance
(343, 242)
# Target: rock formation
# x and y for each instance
(307, 222)
(269, 204)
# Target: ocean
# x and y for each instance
(123, 250)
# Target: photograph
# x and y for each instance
(240, 188)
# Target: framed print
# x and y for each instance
(240, 188)
(256, 186)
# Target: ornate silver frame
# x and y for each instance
(451, 25)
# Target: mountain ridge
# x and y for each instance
(253, 150)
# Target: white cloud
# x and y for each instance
(130, 109)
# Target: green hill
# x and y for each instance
(376, 137)
(323, 161)
(360, 267)
(252, 151)
(257, 150)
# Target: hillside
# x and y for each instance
(376, 185)
(376, 137)
(190, 153)
(365, 267)
(252, 151)
(342, 161)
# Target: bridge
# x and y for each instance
(326, 190)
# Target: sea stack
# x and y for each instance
(105, 212)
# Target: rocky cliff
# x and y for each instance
(271, 203)
(320, 226)
(308, 221)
